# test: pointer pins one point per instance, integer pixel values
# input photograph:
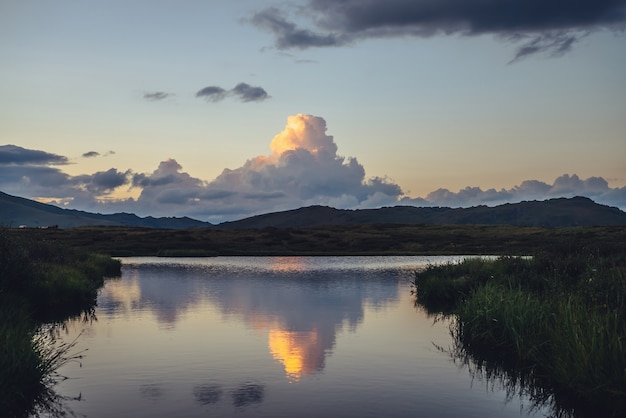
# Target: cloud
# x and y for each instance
(248, 93)
(302, 168)
(596, 188)
(243, 91)
(212, 93)
(16, 155)
(157, 95)
(548, 26)
(93, 154)
(102, 182)
(288, 35)
(32, 173)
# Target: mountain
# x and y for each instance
(576, 211)
(16, 211)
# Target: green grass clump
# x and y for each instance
(441, 288)
(560, 317)
(40, 282)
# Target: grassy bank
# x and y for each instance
(554, 323)
(40, 282)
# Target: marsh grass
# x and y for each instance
(358, 239)
(560, 318)
(41, 284)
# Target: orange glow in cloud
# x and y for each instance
(302, 131)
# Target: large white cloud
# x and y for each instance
(301, 169)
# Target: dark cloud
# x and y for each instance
(264, 195)
(538, 25)
(288, 35)
(31, 173)
(553, 43)
(167, 174)
(102, 182)
(243, 91)
(13, 154)
(212, 93)
(248, 93)
(157, 95)
(93, 154)
(32, 176)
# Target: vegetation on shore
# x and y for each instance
(40, 282)
(363, 239)
(552, 326)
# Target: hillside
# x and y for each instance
(16, 211)
(577, 211)
(562, 212)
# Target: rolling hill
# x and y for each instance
(17, 211)
(577, 211)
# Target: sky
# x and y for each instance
(219, 110)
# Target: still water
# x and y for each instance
(271, 337)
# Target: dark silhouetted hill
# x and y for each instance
(576, 211)
(17, 211)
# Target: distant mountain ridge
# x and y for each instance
(18, 211)
(577, 211)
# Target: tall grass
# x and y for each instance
(40, 283)
(31, 355)
(560, 317)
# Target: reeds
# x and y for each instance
(40, 283)
(561, 317)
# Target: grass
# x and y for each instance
(556, 322)
(41, 282)
(367, 239)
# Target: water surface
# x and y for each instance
(271, 337)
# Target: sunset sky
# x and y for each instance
(219, 110)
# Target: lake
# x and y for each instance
(272, 337)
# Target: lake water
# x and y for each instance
(271, 337)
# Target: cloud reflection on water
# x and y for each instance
(300, 308)
(248, 394)
(207, 394)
